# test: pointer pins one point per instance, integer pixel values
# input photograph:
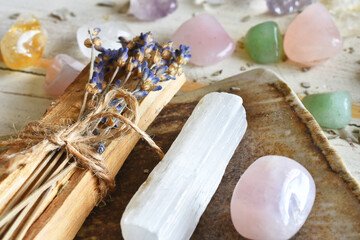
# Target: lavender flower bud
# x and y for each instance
(101, 148)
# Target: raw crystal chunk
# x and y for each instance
(282, 7)
(272, 199)
(23, 44)
(208, 40)
(331, 110)
(152, 9)
(212, 2)
(110, 31)
(169, 204)
(264, 43)
(312, 37)
(61, 73)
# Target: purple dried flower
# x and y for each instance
(157, 88)
(103, 120)
(145, 73)
(117, 83)
(161, 70)
(96, 132)
(119, 108)
(155, 80)
(141, 59)
(140, 94)
(101, 148)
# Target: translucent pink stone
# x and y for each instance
(312, 37)
(152, 9)
(208, 40)
(272, 199)
(61, 73)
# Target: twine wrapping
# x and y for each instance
(77, 139)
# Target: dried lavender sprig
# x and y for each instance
(121, 105)
(141, 51)
(89, 41)
(121, 61)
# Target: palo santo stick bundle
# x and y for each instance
(125, 90)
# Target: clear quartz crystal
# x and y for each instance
(171, 201)
(212, 2)
(110, 31)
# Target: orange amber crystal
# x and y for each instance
(23, 44)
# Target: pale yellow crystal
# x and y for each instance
(23, 45)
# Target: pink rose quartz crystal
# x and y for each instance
(209, 41)
(272, 199)
(61, 73)
(312, 37)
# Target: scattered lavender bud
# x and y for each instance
(234, 89)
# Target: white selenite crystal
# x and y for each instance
(169, 204)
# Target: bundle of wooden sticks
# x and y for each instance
(51, 195)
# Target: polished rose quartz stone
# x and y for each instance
(272, 199)
(312, 37)
(208, 40)
(61, 73)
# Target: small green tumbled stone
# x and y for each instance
(331, 110)
(264, 43)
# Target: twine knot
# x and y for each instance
(78, 140)
(57, 139)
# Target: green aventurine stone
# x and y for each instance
(331, 110)
(264, 43)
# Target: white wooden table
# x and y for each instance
(22, 97)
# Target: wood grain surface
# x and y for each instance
(22, 96)
(278, 124)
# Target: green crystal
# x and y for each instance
(264, 43)
(331, 110)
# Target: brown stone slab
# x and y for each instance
(277, 124)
